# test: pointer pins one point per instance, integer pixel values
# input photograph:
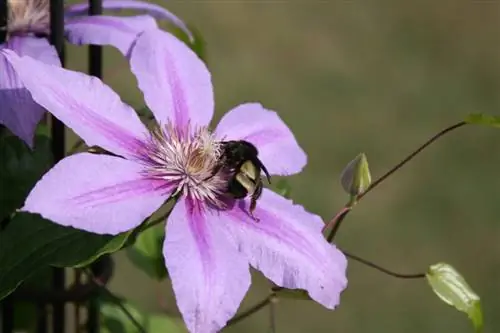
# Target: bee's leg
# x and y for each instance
(253, 200)
(268, 176)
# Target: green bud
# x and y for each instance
(356, 177)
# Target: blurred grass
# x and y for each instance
(379, 78)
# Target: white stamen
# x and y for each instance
(28, 16)
(187, 161)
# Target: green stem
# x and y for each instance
(410, 157)
(382, 269)
(337, 220)
(117, 300)
(254, 309)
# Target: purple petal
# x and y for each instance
(143, 6)
(209, 276)
(175, 82)
(278, 149)
(288, 247)
(38, 48)
(18, 111)
(119, 32)
(83, 103)
(97, 193)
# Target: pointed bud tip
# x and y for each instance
(356, 177)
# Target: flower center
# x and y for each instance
(28, 16)
(187, 160)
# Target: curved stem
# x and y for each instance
(410, 157)
(337, 220)
(117, 301)
(254, 309)
(382, 269)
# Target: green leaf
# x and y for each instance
(20, 169)
(114, 320)
(198, 44)
(452, 289)
(483, 119)
(283, 188)
(146, 253)
(356, 177)
(25, 316)
(43, 130)
(29, 243)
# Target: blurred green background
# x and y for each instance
(373, 77)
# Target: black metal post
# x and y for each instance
(3, 20)
(95, 69)
(58, 149)
(95, 51)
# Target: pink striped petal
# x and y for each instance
(97, 193)
(175, 82)
(288, 247)
(278, 148)
(18, 111)
(209, 276)
(119, 32)
(83, 103)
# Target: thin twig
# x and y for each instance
(343, 213)
(410, 157)
(254, 309)
(336, 222)
(382, 269)
(117, 300)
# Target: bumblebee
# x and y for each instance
(240, 160)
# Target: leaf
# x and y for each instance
(356, 177)
(198, 44)
(115, 320)
(25, 316)
(20, 169)
(29, 243)
(452, 289)
(146, 253)
(283, 188)
(482, 119)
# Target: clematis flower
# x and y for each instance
(209, 244)
(30, 19)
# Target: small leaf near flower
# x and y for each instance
(20, 169)
(356, 177)
(114, 320)
(283, 188)
(49, 244)
(452, 289)
(146, 253)
(196, 43)
(483, 119)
